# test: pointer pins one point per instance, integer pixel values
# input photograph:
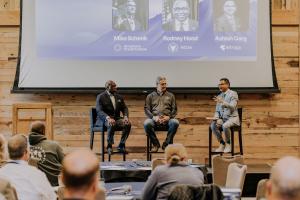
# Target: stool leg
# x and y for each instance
(92, 139)
(150, 153)
(232, 142)
(147, 149)
(124, 156)
(102, 146)
(109, 157)
(241, 142)
(209, 146)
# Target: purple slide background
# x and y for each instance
(92, 37)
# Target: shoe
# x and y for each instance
(109, 149)
(155, 148)
(227, 148)
(220, 148)
(121, 148)
(165, 144)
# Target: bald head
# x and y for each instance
(111, 86)
(285, 179)
(80, 169)
(17, 147)
(38, 127)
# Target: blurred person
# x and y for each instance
(284, 183)
(29, 182)
(49, 154)
(176, 171)
(80, 173)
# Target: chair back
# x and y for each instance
(220, 167)
(93, 117)
(261, 189)
(236, 176)
(240, 112)
(156, 162)
(192, 192)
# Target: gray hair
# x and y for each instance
(160, 78)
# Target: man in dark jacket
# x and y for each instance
(48, 153)
(109, 106)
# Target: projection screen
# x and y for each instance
(77, 45)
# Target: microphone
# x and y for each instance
(220, 92)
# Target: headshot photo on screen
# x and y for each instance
(231, 15)
(180, 15)
(130, 15)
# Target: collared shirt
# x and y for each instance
(29, 182)
(112, 98)
(231, 20)
(160, 104)
(182, 26)
(131, 23)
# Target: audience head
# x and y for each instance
(229, 7)
(284, 183)
(224, 84)
(181, 10)
(38, 127)
(80, 174)
(161, 84)
(18, 148)
(175, 153)
(111, 86)
(3, 148)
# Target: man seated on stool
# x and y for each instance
(109, 106)
(161, 109)
(226, 115)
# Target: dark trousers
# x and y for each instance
(118, 125)
(150, 125)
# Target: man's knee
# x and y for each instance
(127, 126)
(226, 126)
(213, 125)
(148, 123)
(174, 123)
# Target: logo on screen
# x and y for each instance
(173, 47)
(117, 47)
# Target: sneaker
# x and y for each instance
(165, 144)
(121, 148)
(155, 148)
(109, 149)
(227, 148)
(220, 148)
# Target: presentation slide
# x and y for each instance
(147, 29)
(78, 45)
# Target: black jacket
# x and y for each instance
(189, 192)
(105, 108)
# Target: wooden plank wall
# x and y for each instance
(271, 122)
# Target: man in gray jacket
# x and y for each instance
(161, 109)
(226, 115)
